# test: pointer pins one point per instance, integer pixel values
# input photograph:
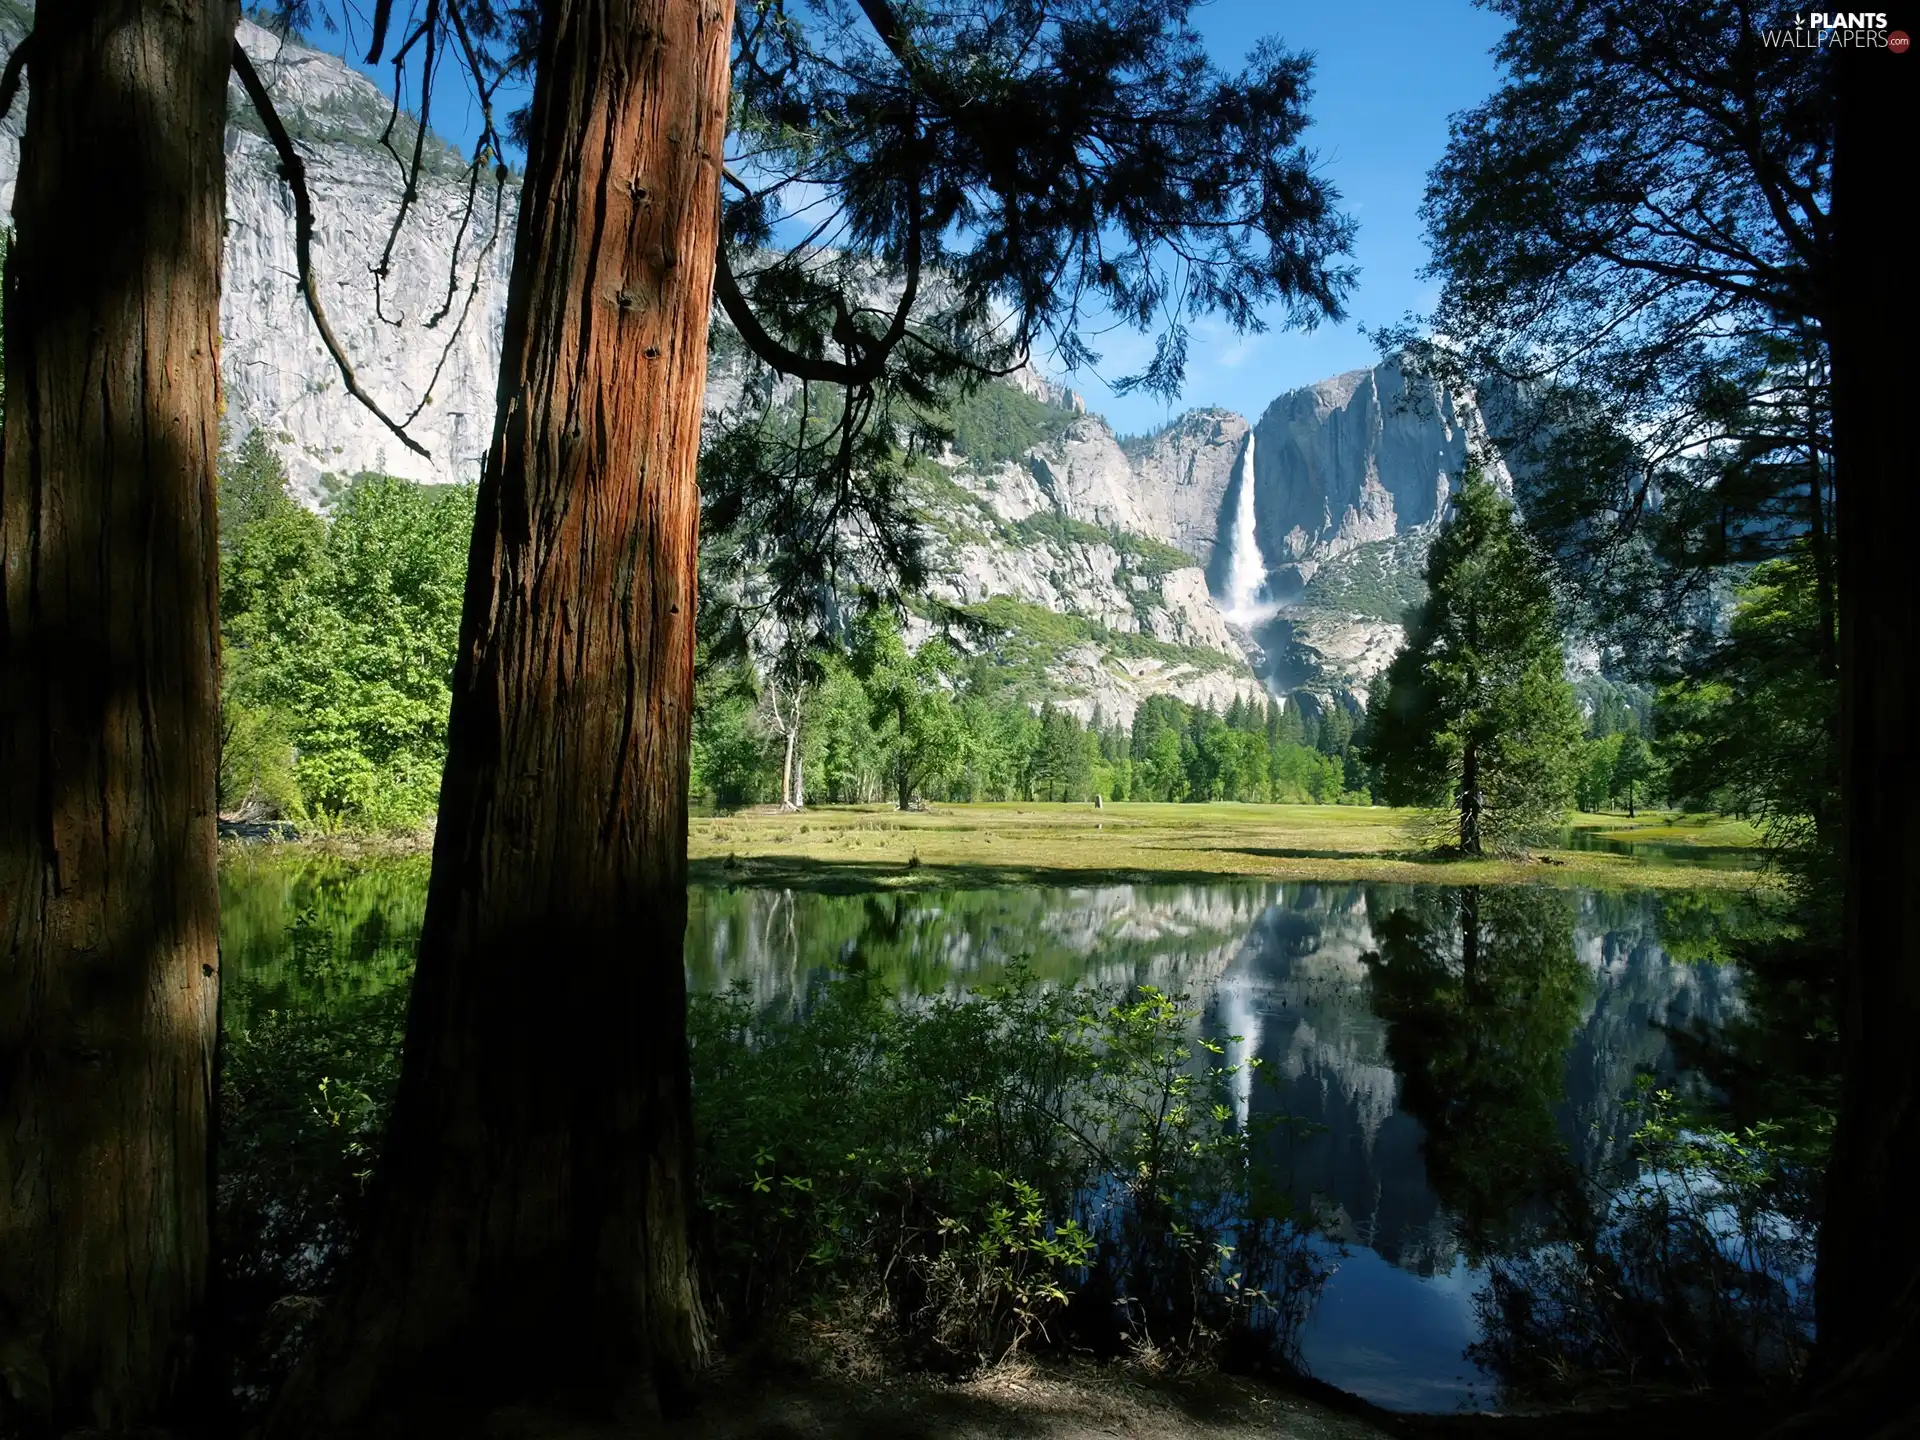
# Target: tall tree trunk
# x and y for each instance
(1470, 798)
(531, 1218)
(1819, 537)
(902, 776)
(109, 711)
(1868, 1277)
(796, 753)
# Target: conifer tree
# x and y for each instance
(1475, 714)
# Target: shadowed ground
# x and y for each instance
(1087, 1401)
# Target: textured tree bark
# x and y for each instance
(1868, 1278)
(528, 1239)
(1470, 798)
(109, 721)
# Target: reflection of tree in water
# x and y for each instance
(1481, 992)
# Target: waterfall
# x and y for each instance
(1246, 580)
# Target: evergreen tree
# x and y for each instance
(1335, 734)
(1063, 769)
(1632, 769)
(1288, 727)
(1475, 713)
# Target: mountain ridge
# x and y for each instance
(1347, 476)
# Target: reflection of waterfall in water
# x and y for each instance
(1240, 1019)
(1245, 601)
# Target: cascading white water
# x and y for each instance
(1246, 581)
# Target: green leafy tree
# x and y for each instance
(271, 548)
(1302, 775)
(846, 760)
(1163, 771)
(1658, 224)
(1593, 787)
(1752, 734)
(732, 756)
(1475, 713)
(1646, 280)
(342, 634)
(1633, 771)
(913, 710)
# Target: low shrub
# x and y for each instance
(961, 1178)
(1698, 1273)
(985, 1172)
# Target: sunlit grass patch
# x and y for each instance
(1016, 843)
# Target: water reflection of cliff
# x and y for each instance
(781, 943)
(1315, 995)
(1303, 974)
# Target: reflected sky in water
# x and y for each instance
(1518, 1025)
(1450, 1061)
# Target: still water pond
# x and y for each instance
(1446, 1049)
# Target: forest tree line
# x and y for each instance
(339, 632)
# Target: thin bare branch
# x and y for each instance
(294, 171)
(410, 169)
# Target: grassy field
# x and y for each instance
(864, 847)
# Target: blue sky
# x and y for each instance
(1388, 74)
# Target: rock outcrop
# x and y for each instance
(1348, 476)
(427, 346)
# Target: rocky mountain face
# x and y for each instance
(1309, 527)
(1219, 557)
(424, 339)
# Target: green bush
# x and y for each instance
(1030, 1165)
(990, 1171)
(1699, 1273)
(340, 637)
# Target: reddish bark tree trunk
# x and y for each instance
(109, 721)
(530, 1228)
(1868, 1290)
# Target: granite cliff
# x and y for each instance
(1218, 557)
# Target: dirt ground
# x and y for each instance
(1090, 1401)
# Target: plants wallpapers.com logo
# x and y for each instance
(1837, 30)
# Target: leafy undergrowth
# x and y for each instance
(1016, 1168)
(932, 1185)
(1697, 1275)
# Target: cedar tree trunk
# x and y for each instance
(1868, 1280)
(109, 711)
(528, 1236)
